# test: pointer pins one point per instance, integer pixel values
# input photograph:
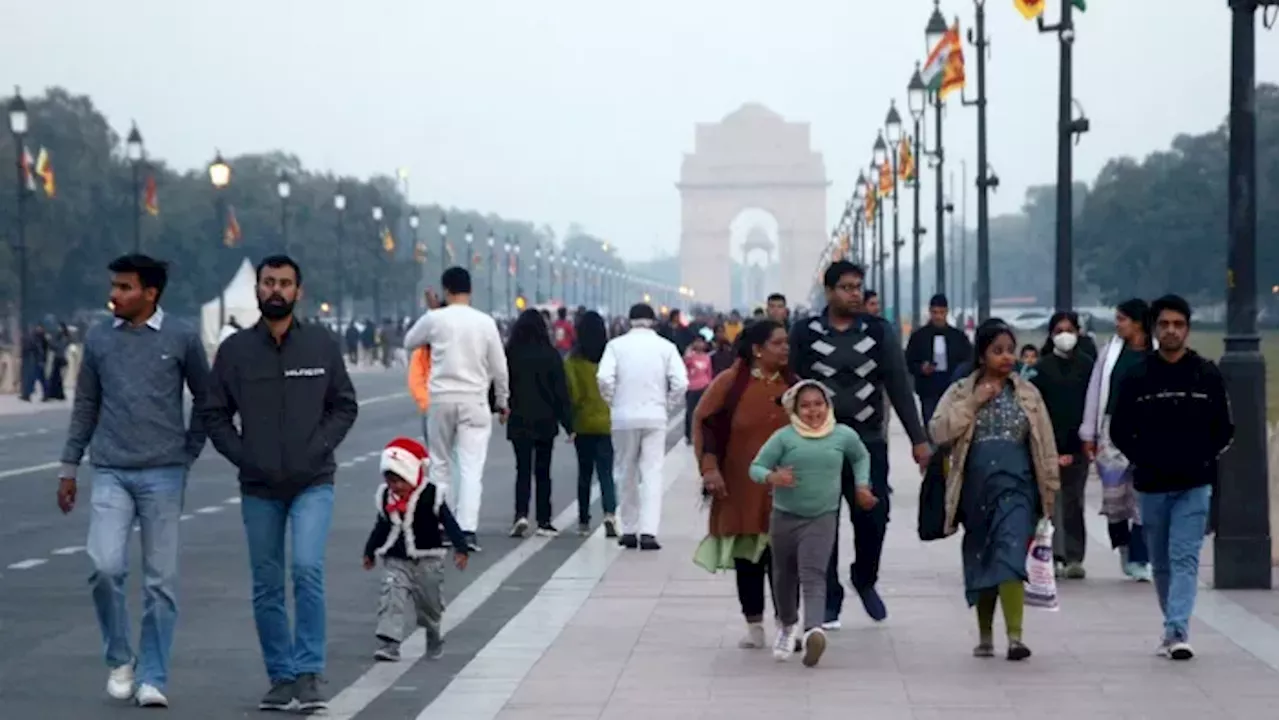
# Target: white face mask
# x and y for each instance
(1065, 342)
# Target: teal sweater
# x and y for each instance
(817, 464)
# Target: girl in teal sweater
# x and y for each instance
(803, 463)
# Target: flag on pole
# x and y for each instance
(870, 203)
(231, 233)
(477, 261)
(44, 168)
(388, 241)
(511, 264)
(906, 160)
(886, 179)
(448, 248)
(953, 69)
(28, 163)
(1030, 9)
(150, 201)
(935, 65)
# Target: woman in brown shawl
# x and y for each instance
(738, 412)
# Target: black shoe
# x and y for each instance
(629, 541)
(649, 542)
(282, 697)
(1017, 651)
(310, 699)
(472, 545)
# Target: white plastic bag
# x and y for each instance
(1041, 586)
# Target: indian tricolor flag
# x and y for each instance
(936, 66)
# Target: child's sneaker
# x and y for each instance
(815, 643)
(387, 652)
(785, 644)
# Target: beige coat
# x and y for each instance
(952, 423)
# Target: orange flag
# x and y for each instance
(150, 201)
(231, 234)
(1030, 9)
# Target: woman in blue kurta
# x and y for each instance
(1003, 477)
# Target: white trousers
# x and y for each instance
(458, 433)
(637, 465)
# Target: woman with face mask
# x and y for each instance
(1062, 377)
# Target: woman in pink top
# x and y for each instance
(697, 362)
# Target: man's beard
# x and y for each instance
(275, 307)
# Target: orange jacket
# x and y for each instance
(419, 374)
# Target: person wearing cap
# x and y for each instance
(933, 352)
(409, 535)
(642, 377)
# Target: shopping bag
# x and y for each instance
(1041, 586)
(931, 513)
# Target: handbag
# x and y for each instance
(1041, 586)
(931, 514)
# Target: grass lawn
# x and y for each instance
(1208, 342)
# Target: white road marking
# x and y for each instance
(25, 433)
(72, 550)
(185, 516)
(28, 564)
(345, 464)
(209, 510)
(233, 500)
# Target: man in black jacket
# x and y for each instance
(1172, 420)
(289, 385)
(933, 353)
(859, 358)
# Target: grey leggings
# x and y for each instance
(801, 550)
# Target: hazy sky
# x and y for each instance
(579, 110)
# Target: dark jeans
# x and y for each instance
(54, 389)
(32, 375)
(691, 399)
(929, 403)
(1069, 543)
(533, 458)
(868, 530)
(1124, 534)
(595, 452)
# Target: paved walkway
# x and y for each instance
(618, 635)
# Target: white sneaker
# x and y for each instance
(754, 639)
(1181, 650)
(785, 644)
(831, 625)
(815, 643)
(150, 696)
(120, 682)
(1141, 572)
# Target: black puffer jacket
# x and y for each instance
(539, 393)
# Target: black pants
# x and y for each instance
(595, 453)
(754, 579)
(868, 530)
(691, 398)
(1070, 540)
(533, 459)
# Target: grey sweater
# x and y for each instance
(128, 402)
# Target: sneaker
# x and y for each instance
(629, 541)
(784, 644)
(472, 545)
(1162, 650)
(584, 529)
(1074, 571)
(1180, 650)
(1139, 572)
(610, 525)
(649, 542)
(282, 697)
(520, 528)
(872, 603)
(815, 643)
(831, 625)
(387, 652)
(1017, 651)
(150, 696)
(984, 649)
(120, 682)
(547, 530)
(754, 639)
(1123, 551)
(1059, 568)
(310, 699)
(435, 647)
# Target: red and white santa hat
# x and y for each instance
(407, 459)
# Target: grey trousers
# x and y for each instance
(1069, 538)
(411, 596)
(801, 550)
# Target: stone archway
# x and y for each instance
(754, 158)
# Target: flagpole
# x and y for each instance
(978, 38)
(18, 126)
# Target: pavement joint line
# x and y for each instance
(71, 550)
(209, 509)
(28, 564)
(185, 516)
(233, 500)
(381, 677)
(544, 618)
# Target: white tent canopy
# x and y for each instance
(240, 298)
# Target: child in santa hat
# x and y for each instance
(408, 537)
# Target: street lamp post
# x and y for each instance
(915, 105)
(220, 177)
(506, 250)
(537, 273)
(133, 150)
(340, 207)
(419, 250)
(881, 254)
(860, 214)
(376, 213)
(515, 263)
(1242, 546)
(893, 136)
(1068, 129)
(18, 126)
(444, 242)
(283, 189)
(493, 260)
(986, 181)
(933, 32)
(470, 237)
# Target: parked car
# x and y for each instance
(1031, 320)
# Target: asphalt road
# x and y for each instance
(51, 665)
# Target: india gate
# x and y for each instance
(752, 159)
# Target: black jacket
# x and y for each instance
(539, 394)
(417, 533)
(295, 402)
(920, 351)
(1172, 421)
(1063, 382)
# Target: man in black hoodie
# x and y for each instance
(933, 353)
(1172, 421)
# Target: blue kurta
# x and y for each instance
(999, 497)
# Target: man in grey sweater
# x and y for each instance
(128, 412)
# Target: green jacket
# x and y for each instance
(590, 411)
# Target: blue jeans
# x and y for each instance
(288, 652)
(1174, 524)
(152, 497)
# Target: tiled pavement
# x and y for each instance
(641, 635)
